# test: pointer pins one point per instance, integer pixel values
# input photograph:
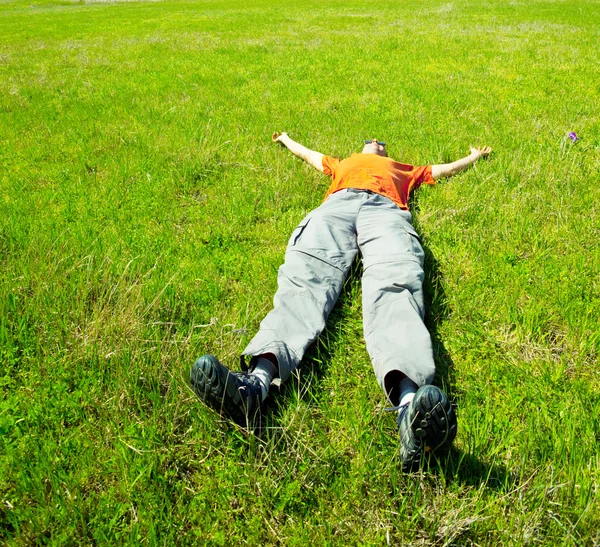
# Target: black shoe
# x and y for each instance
(236, 395)
(427, 425)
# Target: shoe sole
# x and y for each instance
(435, 420)
(219, 389)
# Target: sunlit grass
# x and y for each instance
(144, 213)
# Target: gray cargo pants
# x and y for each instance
(317, 260)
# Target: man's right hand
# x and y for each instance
(309, 156)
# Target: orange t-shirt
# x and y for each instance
(379, 174)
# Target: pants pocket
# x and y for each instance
(416, 243)
(297, 233)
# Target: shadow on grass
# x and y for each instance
(466, 469)
(457, 466)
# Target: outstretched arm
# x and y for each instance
(450, 169)
(309, 156)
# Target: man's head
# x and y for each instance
(373, 146)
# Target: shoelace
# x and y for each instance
(396, 408)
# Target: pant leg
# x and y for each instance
(317, 260)
(392, 286)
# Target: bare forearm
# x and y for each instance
(296, 148)
(451, 169)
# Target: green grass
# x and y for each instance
(144, 213)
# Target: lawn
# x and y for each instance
(144, 213)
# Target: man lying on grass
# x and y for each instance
(365, 210)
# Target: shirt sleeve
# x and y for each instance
(422, 175)
(329, 165)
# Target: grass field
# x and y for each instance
(144, 213)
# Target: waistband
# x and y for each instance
(359, 190)
(371, 193)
